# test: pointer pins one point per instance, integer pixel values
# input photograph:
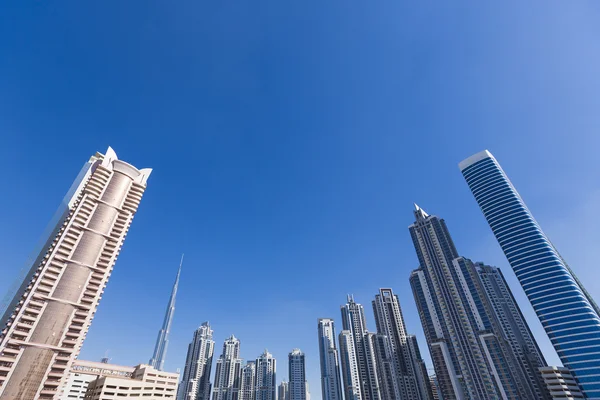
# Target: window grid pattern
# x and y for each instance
(571, 323)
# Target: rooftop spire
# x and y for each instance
(162, 341)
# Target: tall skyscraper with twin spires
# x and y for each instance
(471, 354)
(43, 327)
(568, 313)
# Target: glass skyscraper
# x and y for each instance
(568, 314)
(469, 349)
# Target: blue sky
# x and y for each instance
(289, 141)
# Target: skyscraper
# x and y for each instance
(195, 384)
(410, 383)
(353, 321)
(283, 391)
(384, 361)
(330, 368)
(43, 327)
(297, 375)
(266, 382)
(567, 312)
(228, 375)
(350, 373)
(515, 329)
(470, 353)
(248, 380)
(162, 341)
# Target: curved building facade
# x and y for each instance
(45, 325)
(566, 311)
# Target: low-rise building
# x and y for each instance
(91, 380)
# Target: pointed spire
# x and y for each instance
(162, 341)
(419, 212)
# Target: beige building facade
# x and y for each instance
(145, 383)
(43, 328)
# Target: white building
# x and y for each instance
(350, 373)
(266, 369)
(561, 384)
(248, 381)
(195, 384)
(297, 375)
(95, 380)
(331, 387)
(144, 382)
(84, 372)
(42, 329)
(228, 375)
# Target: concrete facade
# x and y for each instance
(145, 382)
(43, 328)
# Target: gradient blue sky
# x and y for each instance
(289, 140)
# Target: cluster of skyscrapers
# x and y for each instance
(480, 344)
(256, 380)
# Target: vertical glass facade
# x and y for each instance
(564, 308)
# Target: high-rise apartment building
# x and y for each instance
(381, 349)
(407, 373)
(228, 375)
(195, 384)
(283, 391)
(567, 312)
(297, 375)
(162, 341)
(43, 328)
(514, 327)
(561, 384)
(330, 368)
(354, 321)
(248, 381)
(266, 382)
(349, 367)
(470, 353)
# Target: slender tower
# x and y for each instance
(283, 391)
(162, 341)
(228, 375)
(43, 327)
(266, 383)
(410, 383)
(330, 368)
(350, 373)
(195, 384)
(297, 375)
(248, 381)
(353, 321)
(567, 312)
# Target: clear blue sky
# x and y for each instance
(289, 140)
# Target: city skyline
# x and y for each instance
(288, 146)
(359, 349)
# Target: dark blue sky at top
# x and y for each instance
(288, 141)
